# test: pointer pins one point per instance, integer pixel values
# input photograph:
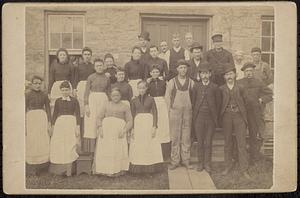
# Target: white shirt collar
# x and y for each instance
(230, 86)
(205, 83)
(66, 98)
(177, 49)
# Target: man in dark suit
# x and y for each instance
(234, 121)
(206, 102)
(257, 96)
(217, 57)
(196, 50)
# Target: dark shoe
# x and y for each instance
(208, 169)
(226, 171)
(173, 166)
(200, 167)
(188, 166)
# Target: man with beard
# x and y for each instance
(234, 121)
(206, 102)
(217, 57)
(257, 96)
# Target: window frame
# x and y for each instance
(271, 20)
(49, 52)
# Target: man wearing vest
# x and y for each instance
(217, 57)
(176, 53)
(179, 101)
(206, 103)
(189, 42)
(234, 121)
(164, 52)
(196, 50)
(257, 96)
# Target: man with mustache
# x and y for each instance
(234, 121)
(257, 96)
(206, 102)
(196, 51)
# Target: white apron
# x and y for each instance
(37, 138)
(126, 102)
(80, 96)
(133, 84)
(63, 141)
(96, 103)
(144, 150)
(163, 131)
(111, 155)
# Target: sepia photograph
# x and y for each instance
(149, 96)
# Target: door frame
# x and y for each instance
(144, 16)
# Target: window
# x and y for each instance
(267, 39)
(66, 31)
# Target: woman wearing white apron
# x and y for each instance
(111, 154)
(81, 73)
(95, 96)
(60, 70)
(145, 150)
(66, 130)
(38, 124)
(157, 89)
(135, 70)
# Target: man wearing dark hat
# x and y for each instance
(144, 39)
(179, 102)
(257, 96)
(234, 121)
(206, 103)
(155, 60)
(262, 70)
(196, 50)
(217, 57)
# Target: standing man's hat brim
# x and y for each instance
(196, 45)
(248, 65)
(255, 49)
(204, 67)
(218, 37)
(182, 62)
(145, 35)
(228, 68)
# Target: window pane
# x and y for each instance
(272, 60)
(266, 28)
(273, 44)
(55, 25)
(265, 57)
(77, 40)
(54, 40)
(273, 28)
(77, 24)
(67, 40)
(67, 24)
(265, 44)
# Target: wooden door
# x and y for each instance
(162, 29)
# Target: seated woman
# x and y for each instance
(66, 121)
(145, 151)
(111, 154)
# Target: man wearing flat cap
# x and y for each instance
(196, 50)
(257, 96)
(144, 39)
(206, 103)
(217, 57)
(179, 102)
(234, 121)
(262, 70)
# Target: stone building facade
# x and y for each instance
(114, 29)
